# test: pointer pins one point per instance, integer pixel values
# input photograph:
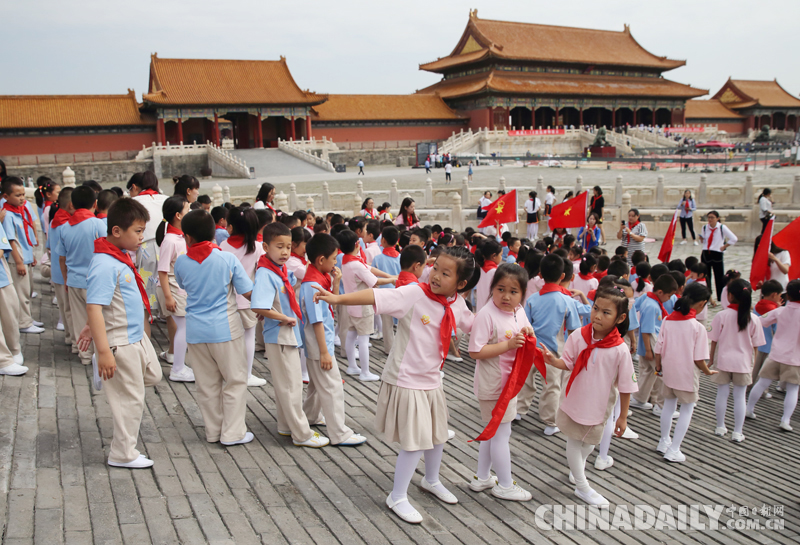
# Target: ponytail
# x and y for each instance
(171, 207)
(486, 250)
(692, 294)
(44, 185)
(642, 272)
(742, 292)
(244, 221)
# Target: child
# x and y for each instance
(412, 263)
(488, 256)
(681, 350)
(698, 273)
(46, 195)
(734, 337)
(771, 291)
(325, 398)
(514, 245)
(214, 329)
(372, 233)
(21, 234)
(411, 407)
(622, 253)
(784, 360)
(172, 299)
(388, 261)
(59, 214)
(220, 215)
(550, 312)
(75, 248)
(115, 303)
(549, 201)
(730, 276)
(243, 243)
(275, 300)
(104, 201)
(600, 365)
(297, 260)
(11, 358)
(498, 331)
(641, 280)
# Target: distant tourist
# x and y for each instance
(765, 207)
(469, 172)
(360, 166)
(632, 233)
(428, 164)
(716, 239)
(596, 207)
(266, 194)
(687, 208)
(448, 169)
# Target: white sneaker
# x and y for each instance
(445, 496)
(518, 417)
(635, 404)
(750, 415)
(353, 441)
(683, 242)
(551, 430)
(451, 435)
(592, 498)
(376, 336)
(246, 439)
(184, 375)
(767, 395)
(571, 478)
(722, 431)
(479, 485)
(663, 445)
(38, 324)
(167, 357)
(19, 359)
(695, 243)
(34, 294)
(32, 329)
(55, 300)
(139, 463)
(14, 370)
(353, 372)
(320, 422)
(512, 493)
(305, 378)
(603, 464)
(737, 437)
(454, 358)
(254, 381)
(629, 434)
(674, 456)
(60, 326)
(412, 516)
(368, 377)
(785, 426)
(315, 441)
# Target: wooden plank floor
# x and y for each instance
(55, 486)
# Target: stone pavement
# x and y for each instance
(55, 486)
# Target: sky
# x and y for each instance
(350, 46)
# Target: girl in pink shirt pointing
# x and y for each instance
(601, 364)
(411, 407)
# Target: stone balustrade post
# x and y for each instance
(360, 190)
(310, 203)
(428, 193)
(68, 177)
(503, 183)
(464, 191)
(293, 197)
(540, 188)
(216, 195)
(748, 190)
(796, 189)
(626, 204)
(326, 196)
(357, 205)
(660, 190)
(456, 215)
(394, 195)
(281, 201)
(618, 191)
(226, 194)
(578, 185)
(701, 190)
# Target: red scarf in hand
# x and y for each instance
(103, 246)
(765, 305)
(405, 278)
(148, 192)
(681, 317)
(199, 251)
(268, 264)
(391, 252)
(551, 287)
(611, 340)
(174, 231)
(686, 205)
(60, 218)
(302, 258)
(325, 281)
(27, 220)
(488, 265)
(528, 355)
(630, 228)
(80, 215)
(586, 276)
(237, 241)
(655, 298)
(448, 325)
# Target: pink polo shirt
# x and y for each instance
(534, 285)
(647, 289)
(786, 341)
(356, 277)
(493, 326)
(415, 364)
(585, 286)
(734, 347)
(296, 266)
(426, 274)
(371, 251)
(681, 343)
(248, 261)
(482, 291)
(171, 247)
(588, 397)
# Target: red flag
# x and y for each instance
(571, 213)
(503, 210)
(669, 239)
(759, 270)
(788, 238)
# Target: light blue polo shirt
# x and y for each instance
(314, 313)
(76, 243)
(17, 227)
(649, 321)
(210, 301)
(389, 265)
(548, 313)
(510, 258)
(633, 319)
(221, 235)
(269, 293)
(339, 261)
(769, 332)
(55, 267)
(669, 306)
(109, 279)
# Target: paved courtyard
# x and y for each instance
(55, 486)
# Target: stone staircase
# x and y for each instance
(275, 162)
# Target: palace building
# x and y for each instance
(761, 103)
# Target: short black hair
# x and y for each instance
(677, 265)
(411, 255)
(118, 191)
(391, 235)
(621, 250)
(124, 212)
(83, 196)
(10, 182)
(347, 240)
(274, 230)
(300, 235)
(336, 219)
(657, 270)
(603, 262)
(219, 213)
(289, 221)
(96, 187)
(679, 277)
(699, 268)
(618, 268)
(321, 244)
(374, 228)
(199, 225)
(265, 217)
(204, 199)
(551, 268)
(356, 223)
(793, 291)
(569, 270)
(690, 262)
(638, 256)
(423, 234)
(666, 284)
(105, 199)
(771, 286)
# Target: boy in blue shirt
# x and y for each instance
(771, 291)
(549, 312)
(75, 248)
(274, 299)
(214, 330)
(11, 359)
(21, 234)
(220, 215)
(651, 313)
(388, 261)
(325, 397)
(57, 222)
(104, 201)
(116, 302)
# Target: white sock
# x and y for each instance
(682, 426)
(666, 416)
(790, 402)
(756, 392)
(179, 344)
(576, 463)
(250, 348)
(363, 353)
(404, 470)
(608, 431)
(721, 404)
(501, 455)
(433, 461)
(739, 407)
(350, 349)
(485, 460)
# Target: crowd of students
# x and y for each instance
(235, 279)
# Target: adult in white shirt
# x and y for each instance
(532, 206)
(484, 202)
(779, 263)
(448, 169)
(765, 207)
(716, 239)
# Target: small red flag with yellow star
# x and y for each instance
(503, 210)
(571, 213)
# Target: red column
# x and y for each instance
(614, 117)
(216, 129)
(635, 112)
(490, 124)
(292, 133)
(180, 130)
(771, 122)
(533, 118)
(259, 133)
(555, 121)
(308, 126)
(580, 120)
(160, 132)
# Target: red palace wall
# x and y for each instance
(377, 134)
(478, 119)
(74, 143)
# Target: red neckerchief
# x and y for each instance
(369, 213)
(611, 340)
(260, 237)
(237, 241)
(655, 298)
(711, 237)
(302, 258)
(504, 244)
(648, 281)
(60, 218)
(633, 270)
(391, 252)
(448, 325)
(325, 281)
(687, 273)
(600, 274)
(734, 306)
(148, 192)
(515, 255)
(488, 265)
(27, 220)
(765, 305)
(174, 230)
(680, 316)
(586, 276)
(349, 258)
(551, 287)
(409, 220)
(101, 215)
(630, 228)
(594, 200)
(199, 251)
(686, 205)
(269, 206)
(46, 204)
(80, 215)
(405, 278)
(103, 246)
(268, 264)
(591, 294)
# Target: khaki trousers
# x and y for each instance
(260, 336)
(9, 313)
(65, 310)
(548, 399)
(220, 372)
(137, 368)
(77, 303)
(761, 357)
(325, 397)
(388, 332)
(287, 383)
(649, 383)
(23, 287)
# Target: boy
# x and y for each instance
(603, 262)
(621, 252)
(104, 201)
(205, 202)
(21, 234)
(549, 311)
(325, 398)
(220, 217)
(75, 248)
(61, 217)
(419, 237)
(11, 358)
(412, 265)
(115, 305)
(371, 234)
(690, 262)
(514, 245)
(680, 280)
(214, 331)
(388, 261)
(651, 313)
(274, 299)
(504, 239)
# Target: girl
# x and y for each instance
(297, 260)
(643, 283)
(535, 281)
(575, 254)
(589, 236)
(779, 263)
(687, 208)
(46, 195)
(384, 212)
(244, 244)
(186, 186)
(596, 207)
(498, 331)
(558, 236)
(549, 201)
(266, 194)
(730, 276)
(599, 361)
(681, 349)
(532, 206)
(411, 407)
(368, 209)
(737, 335)
(406, 215)
(488, 256)
(171, 298)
